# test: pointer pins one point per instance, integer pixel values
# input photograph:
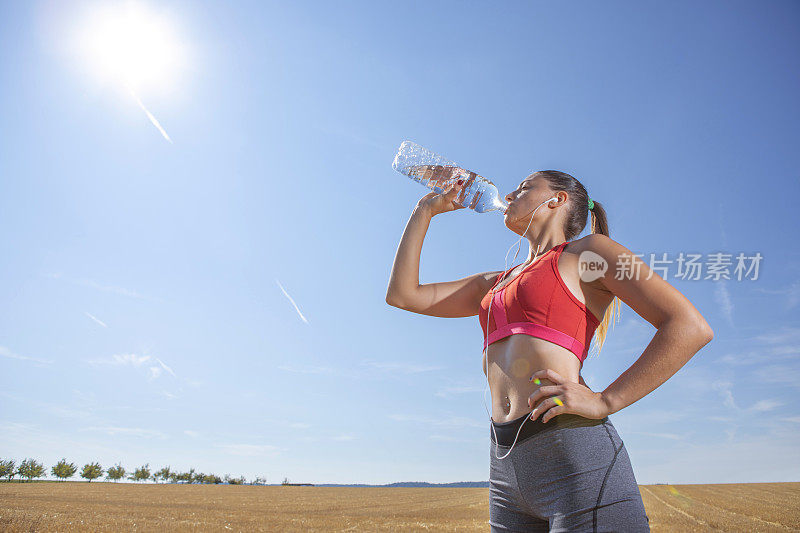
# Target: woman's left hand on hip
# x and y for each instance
(565, 397)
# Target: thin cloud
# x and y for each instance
(672, 436)
(109, 288)
(765, 405)
(449, 422)
(775, 345)
(400, 367)
(165, 367)
(5, 352)
(786, 335)
(308, 369)
(721, 293)
(59, 410)
(155, 365)
(248, 450)
(724, 388)
(150, 116)
(134, 432)
(450, 391)
(291, 300)
(126, 359)
(450, 438)
(723, 298)
(791, 293)
(722, 418)
(652, 418)
(95, 319)
(784, 374)
(99, 286)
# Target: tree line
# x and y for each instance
(31, 469)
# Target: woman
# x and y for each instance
(557, 462)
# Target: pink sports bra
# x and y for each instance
(537, 302)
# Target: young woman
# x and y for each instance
(557, 462)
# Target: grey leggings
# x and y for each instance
(567, 474)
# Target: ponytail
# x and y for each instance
(580, 207)
(600, 225)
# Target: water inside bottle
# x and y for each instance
(437, 173)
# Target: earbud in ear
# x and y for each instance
(553, 198)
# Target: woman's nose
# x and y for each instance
(509, 197)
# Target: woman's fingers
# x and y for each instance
(546, 390)
(547, 373)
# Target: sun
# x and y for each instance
(130, 42)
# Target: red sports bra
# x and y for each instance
(537, 302)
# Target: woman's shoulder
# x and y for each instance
(594, 242)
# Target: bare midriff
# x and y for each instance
(512, 362)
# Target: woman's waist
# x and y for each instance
(511, 364)
(517, 357)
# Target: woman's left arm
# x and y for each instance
(682, 330)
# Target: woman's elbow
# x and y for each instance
(703, 330)
(693, 327)
(394, 301)
(708, 333)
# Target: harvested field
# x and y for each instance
(81, 506)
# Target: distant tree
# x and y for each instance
(91, 471)
(164, 474)
(7, 468)
(260, 481)
(63, 470)
(211, 478)
(193, 477)
(174, 477)
(285, 481)
(115, 473)
(234, 480)
(30, 468)
(142, 473)
(185, 477)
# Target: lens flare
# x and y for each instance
(129, 42)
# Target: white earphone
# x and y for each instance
(488, 314)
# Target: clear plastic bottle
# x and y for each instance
(437, 173)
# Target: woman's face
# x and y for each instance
(523, 200)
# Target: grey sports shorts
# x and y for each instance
(567, 474)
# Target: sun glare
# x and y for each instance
(131, 43)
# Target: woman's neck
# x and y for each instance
(544, 242)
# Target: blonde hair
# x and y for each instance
(573, 226)
(600, 225)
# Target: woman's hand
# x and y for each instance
(565, 397)
(444, 202)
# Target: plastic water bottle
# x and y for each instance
(437, 173)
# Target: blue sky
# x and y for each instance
(146, 284)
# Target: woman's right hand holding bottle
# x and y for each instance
(437, 203)
(441, 203)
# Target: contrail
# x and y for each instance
(165, 367)
(291, 300)
(95, 319)
(150, 115)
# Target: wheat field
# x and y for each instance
(81, 506)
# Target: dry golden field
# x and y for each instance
(81, 506)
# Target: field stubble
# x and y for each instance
(80, 506)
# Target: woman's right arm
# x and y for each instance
(450, 299)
